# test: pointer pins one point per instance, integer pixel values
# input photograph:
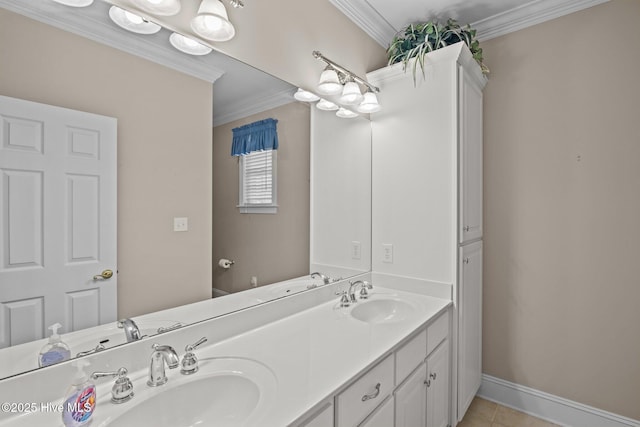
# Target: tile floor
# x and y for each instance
(483, 413)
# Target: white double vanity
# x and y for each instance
(407, 355)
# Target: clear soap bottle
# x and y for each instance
(54, 351)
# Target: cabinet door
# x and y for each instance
(411, 400)
(469, 325)
(470, 128)
(382, 417)
(438, 387)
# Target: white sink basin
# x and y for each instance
(226, 392)
(382, 310)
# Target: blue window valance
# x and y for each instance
(257, 136)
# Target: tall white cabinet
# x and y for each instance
(427, 194)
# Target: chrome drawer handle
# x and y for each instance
(372, 395)
(432, 375)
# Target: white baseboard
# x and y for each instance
(549, 407)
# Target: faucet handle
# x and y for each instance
(122, 390)
(344, 298)
(197, 344)
(190, 361)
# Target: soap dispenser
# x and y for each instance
(80, 399)
(54, 351)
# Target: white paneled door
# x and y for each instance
(57, 220)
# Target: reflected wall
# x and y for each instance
(270, 247)
(164, 147)
(340, 194)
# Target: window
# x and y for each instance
(258, 182)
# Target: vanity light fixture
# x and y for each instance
(188, 45)
(75, 3)
(343, 113)
(369, 104)
(305, 96)
(132, 22)
(335, 79)
(212, 22)
(159, 7)
(325, 105)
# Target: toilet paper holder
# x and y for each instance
(226, 263)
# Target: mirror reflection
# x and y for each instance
(167, 171)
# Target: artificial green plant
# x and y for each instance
(416, 40)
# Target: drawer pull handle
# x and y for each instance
(372, 395)
(432, 376)
(427, 383)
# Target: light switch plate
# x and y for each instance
(356, 250)
(181, 224)
(387, 253)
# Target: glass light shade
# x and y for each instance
(132, 22)
(351, 94)
(305, 96)
(212, 22)
(369, 103)
(329, 83)
(188, 45)
(343, 113)
(325, 105)
(75, 3)
(159, 7)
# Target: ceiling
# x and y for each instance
(381, 19)
(241, 90)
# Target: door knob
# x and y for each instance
(106, 274)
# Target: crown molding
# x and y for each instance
(532, 13)
(248, 107)
(94, 26)
(368, 19)
(527, 15)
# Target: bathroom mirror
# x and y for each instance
(332, 199)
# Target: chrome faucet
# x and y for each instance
(160, 355)
(325, 279)
(364, 294)
(131, 330)
(122, 390)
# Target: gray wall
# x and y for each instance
(272, 247)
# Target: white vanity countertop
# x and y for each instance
(315, 352)
(312, 354)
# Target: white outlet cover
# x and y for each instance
(387, 253)
(181, 224)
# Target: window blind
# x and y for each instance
(258, 178)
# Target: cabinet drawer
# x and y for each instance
(437, 332)
(362, 397)
(410, 355)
